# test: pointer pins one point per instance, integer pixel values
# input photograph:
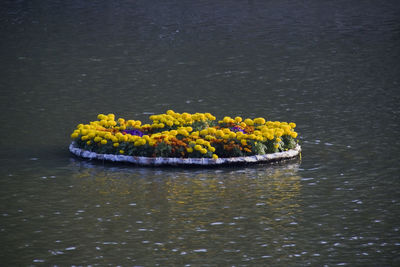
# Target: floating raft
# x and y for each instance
(158, 161)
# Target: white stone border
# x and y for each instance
(156, 161)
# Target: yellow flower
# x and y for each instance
(259, 120)
(200, 141)
(244, 142)
(226, 136)
(74, 135)
(89, 142)
(214, 156)
(227, 119)
(111, 116)
(209, 116)
(197, 147)
(292, 124)
(249, 122)
(186, 116)
(104, 141)
(238, 119)
(183, 132)
(101, 116)
(276, 145)
(277, 123)
(209, 137)
(121, 151)
(116, 144)
(203, 151)
(196, 133)
(294, 134)
(212, 130)
(204, 132)
(97, 139)
(278, 140)
(219, 133)
(189, 150)
(212, 149)
(84, 131)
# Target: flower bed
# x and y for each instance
(175, 138)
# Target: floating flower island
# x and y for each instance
(185, 139)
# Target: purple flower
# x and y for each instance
(133, 132)
(237, 129)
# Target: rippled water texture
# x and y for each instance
(330, 66)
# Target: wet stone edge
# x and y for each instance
(158, 161)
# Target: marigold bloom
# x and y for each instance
(249, 122)
(238, 119)
(200, 141)
(204, 132)
(225, 135)
(259, 120)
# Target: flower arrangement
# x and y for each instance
(184, 135)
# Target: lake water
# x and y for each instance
(333, 67)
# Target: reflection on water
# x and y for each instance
(189, 215)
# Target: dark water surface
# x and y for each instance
(333, 67)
